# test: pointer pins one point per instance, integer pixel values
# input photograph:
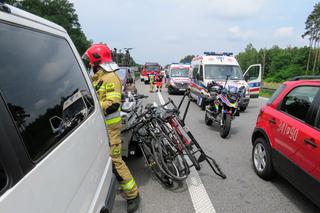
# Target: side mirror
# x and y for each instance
(246, 77)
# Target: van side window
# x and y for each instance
(195, 71)
(43, 86)
(298, 102)
(3, 178)
(201, 73)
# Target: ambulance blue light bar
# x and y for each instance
(218, 54)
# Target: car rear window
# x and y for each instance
(276, 93)
(39, 73)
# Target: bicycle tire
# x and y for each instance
(165, 164)
(164, 135)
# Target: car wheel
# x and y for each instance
(261, 159)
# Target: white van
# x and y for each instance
(177, 78)
(215, 67)
(40, 69)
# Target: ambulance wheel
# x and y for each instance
(243, 108)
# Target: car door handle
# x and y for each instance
(272, 121)
(310, 142)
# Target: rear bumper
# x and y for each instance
(111, 195)
(176, 89)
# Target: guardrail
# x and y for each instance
(268, 89)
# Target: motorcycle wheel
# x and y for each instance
(207, 120)
(226, 126)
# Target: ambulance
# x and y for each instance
(216, 67)
(177, 78)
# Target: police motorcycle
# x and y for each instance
(131, 103)
(222, 106)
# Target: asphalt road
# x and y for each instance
(242, 191)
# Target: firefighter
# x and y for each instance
(151, 79)
(159, 79)
(108, 86)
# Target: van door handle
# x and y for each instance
(272, 120)
(310, 142)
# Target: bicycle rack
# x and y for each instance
(203, 156)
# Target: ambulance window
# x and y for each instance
(195, 72)
(41, 79)
(201, 73)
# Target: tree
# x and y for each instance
(187, 59)
(61, 12)
(312, 32)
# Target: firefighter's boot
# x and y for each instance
(133, 204)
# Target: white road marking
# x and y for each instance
(199, 196)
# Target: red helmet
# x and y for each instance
(100, 54)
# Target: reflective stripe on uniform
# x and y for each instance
(128, 186)
(113, 118)
(113, 95)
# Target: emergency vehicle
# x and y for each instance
(177, 78)
(150, 68)
(287, 135)
(216, 67)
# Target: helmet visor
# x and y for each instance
(109, 67)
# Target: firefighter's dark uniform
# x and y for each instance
(108, 86)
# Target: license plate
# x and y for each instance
(182, 89)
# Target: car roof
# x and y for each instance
(31, 17)
(302, 82)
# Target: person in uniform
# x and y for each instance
(108, 86)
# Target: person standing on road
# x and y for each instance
(108, 86)
(151, 79)
(159, 79)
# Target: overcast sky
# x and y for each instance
(166, 30)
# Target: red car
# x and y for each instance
(286, 138)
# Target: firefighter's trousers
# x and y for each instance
(127, 183)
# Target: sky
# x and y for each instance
(165, 31)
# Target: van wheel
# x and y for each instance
(261, 159)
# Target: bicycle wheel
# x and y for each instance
(154, 166)
(172, 162)
(171, 157)
(186, 148)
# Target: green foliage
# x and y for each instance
(187, 59)
(60, 12)
(279, 64)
